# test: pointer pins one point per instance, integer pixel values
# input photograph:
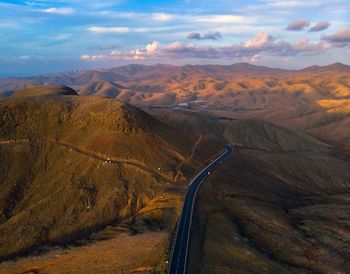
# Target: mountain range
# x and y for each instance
(161, 73)
(94, 165)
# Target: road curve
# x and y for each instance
(182, 237)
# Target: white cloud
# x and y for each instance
(295, 3)
(104, 4)
(255, 58)
(85, 57)
(61, 11)
(162, 16)
(319, 26)
(138, 54)
(108, 29)
(24, 57)
(152, 48)
(92, 57)
(224, 19)
(262, 43)
(261, 39)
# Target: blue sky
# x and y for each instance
(40, 36)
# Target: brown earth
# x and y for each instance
(264, 212)
(119, 254)
(279, 205)
(73, 165)
(314, 100)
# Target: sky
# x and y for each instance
(45, 36)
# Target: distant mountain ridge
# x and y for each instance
(103, 87)
(137, 72)
(333, 67)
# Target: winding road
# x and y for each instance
(182, 238)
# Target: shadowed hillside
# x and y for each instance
(71, 165)
(267, 212)
(254, 134)
(279, 205)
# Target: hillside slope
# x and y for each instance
(311, 99)
(253, 134)
(270, 212)
(103, 88)
(71, 165)
(280, 204)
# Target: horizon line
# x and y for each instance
(99, 69)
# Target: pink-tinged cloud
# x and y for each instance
(262, 43)
(298, 25)
(260, 40)
(341, 36)
(319, 26)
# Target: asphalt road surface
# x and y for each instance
(182, 237)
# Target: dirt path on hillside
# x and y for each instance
(189, 158)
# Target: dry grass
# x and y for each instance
(120, 254)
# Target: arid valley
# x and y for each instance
(82, 170)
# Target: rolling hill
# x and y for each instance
(305, 99)
(103, 88)
(280, 204)
(71, 165)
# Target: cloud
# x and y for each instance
(224, 19)
(60, 11)
(295, 3)
(320, 26)
(108, 29)
(304, 47)
(262, 43)
(194, 36)
(100, 5)
(162, 16)
(24, 57)
(149, 51)
(261, 39)
(299, 24)
(152, 48)
(62, 36)
(255, 58)
(207, 36)
(86, 57)
(341, 36)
